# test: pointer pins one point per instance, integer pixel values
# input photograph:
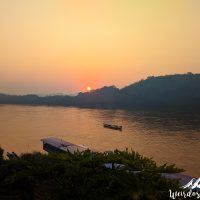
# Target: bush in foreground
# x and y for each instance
(83, 176)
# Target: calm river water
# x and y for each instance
(167, 137)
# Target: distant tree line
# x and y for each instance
(179, 90)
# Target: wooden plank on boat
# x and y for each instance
(58, 145)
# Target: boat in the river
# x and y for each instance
(111, 126)
(56, 145)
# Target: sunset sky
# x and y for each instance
(53, 46)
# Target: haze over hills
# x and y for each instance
(174, 91)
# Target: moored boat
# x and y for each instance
(57, 145)
(111, 126)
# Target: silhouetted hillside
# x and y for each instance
(163, 91)
(104, 97)
(174, 91)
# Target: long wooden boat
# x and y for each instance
(57, 145)
(116, 127)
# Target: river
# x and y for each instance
(166, 136)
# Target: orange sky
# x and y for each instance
(53, 46)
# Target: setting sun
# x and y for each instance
(89, 88)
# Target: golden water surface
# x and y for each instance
(167, 136)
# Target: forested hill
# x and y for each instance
(176, 91)
(162, 91)
(171, 91)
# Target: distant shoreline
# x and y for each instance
(150, 109)
(180, 91)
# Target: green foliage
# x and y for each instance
(84, 176)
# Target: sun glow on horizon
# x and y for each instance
(89, 88)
